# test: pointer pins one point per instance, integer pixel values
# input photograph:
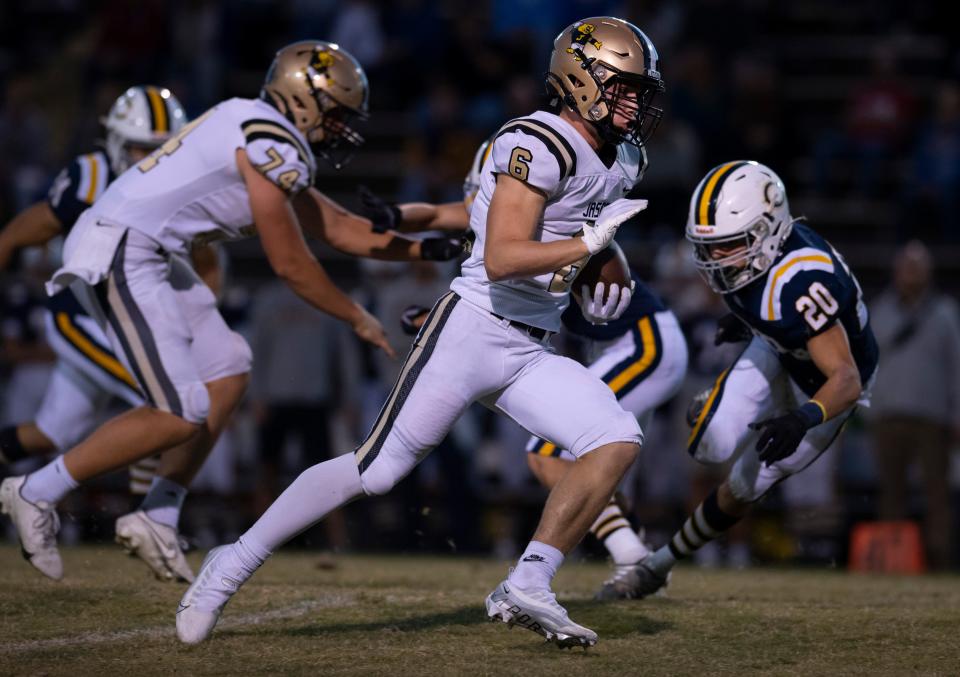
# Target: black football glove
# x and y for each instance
(441, 248)
(384, 215)
(780, 436)
(413, 318)
(731, 329)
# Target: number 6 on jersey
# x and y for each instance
(519, 169)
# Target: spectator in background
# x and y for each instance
(295, 387)
(440, 152)
(357, 29)
(916, 403)
(699, 96)
(24, 147)
(878, 118)
(129, 39)
(933, 186)
(198, 67)
(756, 110)
(418, 283)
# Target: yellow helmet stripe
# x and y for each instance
(160, 122)
(703, 205)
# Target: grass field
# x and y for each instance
(424, 615)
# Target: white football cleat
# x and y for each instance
(37, 525)
(156, 544)
(221, 575)
(537, 610)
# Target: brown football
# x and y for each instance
(608, 266)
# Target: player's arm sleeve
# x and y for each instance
(816, 299)
(533, 158)
(278, 155)
(72, 191)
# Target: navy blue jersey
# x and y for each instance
(78, 185)
(644, 302)
(65, 302)
(808, 289)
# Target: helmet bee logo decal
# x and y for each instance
(582, 35)
(772, 194)
(320, 64)
(321, 61)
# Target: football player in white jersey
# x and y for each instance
(87, 374)
(641, 356)
(551, 196)
(231, 173)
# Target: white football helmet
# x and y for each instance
(143, 116)
(471, 184)
(741, 209)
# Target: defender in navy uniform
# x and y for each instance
(807, 366)
(88, 373)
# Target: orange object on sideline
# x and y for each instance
(887, 547)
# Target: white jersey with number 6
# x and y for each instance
(189, 190)
(546, 152)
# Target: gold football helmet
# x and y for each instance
(321, 89)
(608, 71)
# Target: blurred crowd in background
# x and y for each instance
(855, 104)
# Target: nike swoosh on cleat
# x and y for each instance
(182, 606)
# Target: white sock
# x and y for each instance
(625, 546)
(317, 491)
(164, 501)
(537, 566)
(661, 561)
(51, 483)
(250, 553)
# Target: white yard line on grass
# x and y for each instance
(167, 631)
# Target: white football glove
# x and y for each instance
(599, 312)
(599, 235)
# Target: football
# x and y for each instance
(608, 266)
